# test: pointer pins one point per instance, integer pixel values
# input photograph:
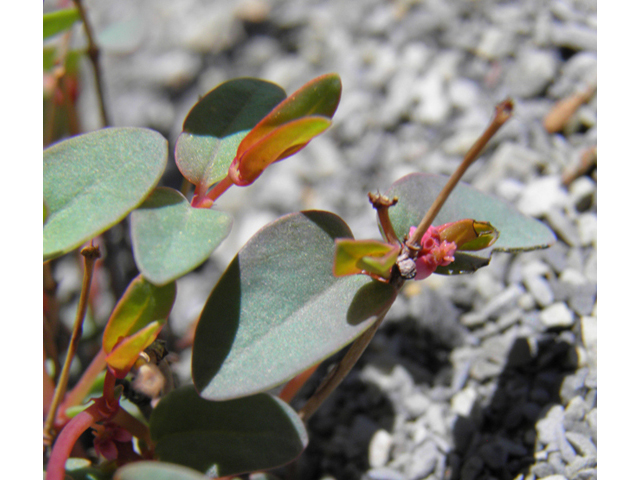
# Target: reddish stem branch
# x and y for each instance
(67, 439)
(295, 384)
(503, 113)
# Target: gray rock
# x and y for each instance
(543, 470)
(505, 299)
(434, 105)
(557, 315)
(582, 444)
(557, 462)
(592, 421)
(574, 36)
(533, 71)
(540, 289)
(495, 43)
(586, 474)
(579, 71)
(575, 411)
(380, 448)
(549, 426)
(587, 229)
(424, 461)
(541, 196)
(581, 463)
(383, 474)
(462, 402)
(564, 228)
(573, 385)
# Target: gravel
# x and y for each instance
(486, 376)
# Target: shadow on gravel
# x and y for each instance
(341, 431)
(498, 441)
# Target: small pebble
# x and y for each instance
(557, 315)
(380, 448)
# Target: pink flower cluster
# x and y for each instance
(434, 252)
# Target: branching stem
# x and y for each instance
(90, 255)
(503, 113)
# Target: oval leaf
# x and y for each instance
(278, 309)
(226, 438)
(319, 97)
(93, 181)
(58, 21)
(170, 238)
(147, 470)
(216, 125)
(141, 305)
(417, 191)
(277, 145)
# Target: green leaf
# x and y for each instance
(148, 470)
(93, 181)
(280, 143)
(226, 438)
(170, 238)
(58, 21)
(278, 309)
(374, 256)
(216, 125)
(136, 321)
(417, 191)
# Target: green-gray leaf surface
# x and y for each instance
(171, 238)
(92, 181)
(226, 438)
(149, 470)
(216, 125)
(417, 191)
(278, 309)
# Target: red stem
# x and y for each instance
(68, 438)
(290, 389)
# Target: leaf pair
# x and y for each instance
(251, 123)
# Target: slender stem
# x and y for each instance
(83, 387)
(90, 254)
(503, 113)
(94, 54)
(202, 200)
(67, 439)
(338, 374)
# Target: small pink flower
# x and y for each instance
(434, 252)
